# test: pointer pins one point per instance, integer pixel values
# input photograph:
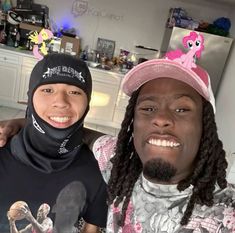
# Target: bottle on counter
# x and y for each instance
(97, 57)
(84, 53)
(17, 40)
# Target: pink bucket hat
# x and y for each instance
(196, 77)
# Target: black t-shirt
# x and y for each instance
(20, 182)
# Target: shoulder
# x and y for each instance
(225, 195)
(104, 149)
(220, 217)
(6, 148)
(48, 223)
(5, 154)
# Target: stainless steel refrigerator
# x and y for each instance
(213, 58)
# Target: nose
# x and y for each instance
(163, 119)
(61, 100)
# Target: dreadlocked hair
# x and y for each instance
(126, 163)
(210, 166)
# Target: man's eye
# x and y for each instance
(148, 109)
(180, 110)
(47, 90)
(75, 92)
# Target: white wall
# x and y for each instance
(137, 21)
(225, 115)
(225, 104)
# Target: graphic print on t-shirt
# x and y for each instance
(68, 206)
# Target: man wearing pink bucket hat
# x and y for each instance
(166, 171)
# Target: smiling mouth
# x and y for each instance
(60, 119)
(163, 143)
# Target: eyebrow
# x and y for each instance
(155, 98)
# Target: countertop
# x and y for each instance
(30, 54)
(16, 50)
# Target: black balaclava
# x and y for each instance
(39, 144)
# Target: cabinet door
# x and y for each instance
(120, 109)
(24, 84)
(27, 66)
(102, 103)
(9, 83)
(105, 86)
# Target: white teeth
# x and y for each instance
(60, 119)
(163, 143)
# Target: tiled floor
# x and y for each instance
(10, 113)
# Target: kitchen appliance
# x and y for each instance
(213, 57)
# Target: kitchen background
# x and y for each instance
(137, 22)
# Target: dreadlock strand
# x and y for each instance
(135, 165)
(207, 170)
(221, 166)
(189, 209)
(201, 158)
(122, 153)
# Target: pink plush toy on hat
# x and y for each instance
(194, 42)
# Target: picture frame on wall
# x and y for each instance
(105, 47)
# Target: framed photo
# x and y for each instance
(106, 47)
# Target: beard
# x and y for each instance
(159, 170)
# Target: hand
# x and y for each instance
(9, 128)
(11, 220)
(34, 37)
(27, 213)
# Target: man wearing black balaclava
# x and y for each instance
(49, 153)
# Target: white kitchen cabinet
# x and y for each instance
(105, 87)
(120, 109)
(26, 69)
(9, 77)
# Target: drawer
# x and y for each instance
(9, 58)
